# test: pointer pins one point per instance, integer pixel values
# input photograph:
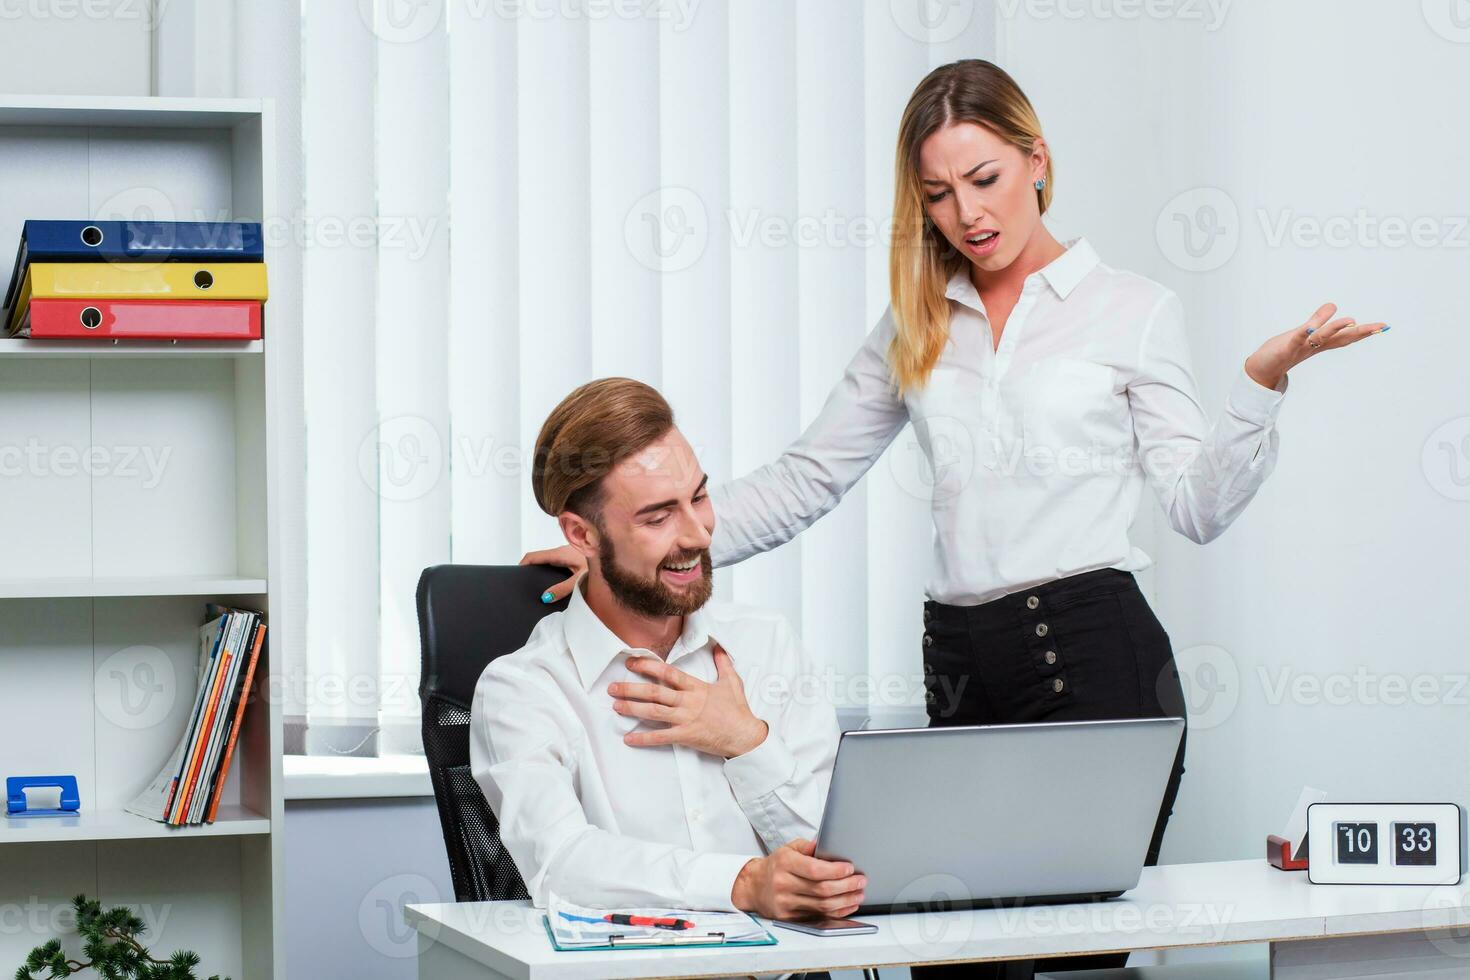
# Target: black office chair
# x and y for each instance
(468, 616)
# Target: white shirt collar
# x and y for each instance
(1062, 273)
(593, 646)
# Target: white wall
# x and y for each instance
(71, 47)
(351, 866)
(1352, 558)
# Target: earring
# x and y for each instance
(1041, 183)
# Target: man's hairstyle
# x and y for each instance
(594, 429)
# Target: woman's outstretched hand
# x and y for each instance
(564, 557)
(1268, 365)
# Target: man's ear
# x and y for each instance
(580, 533)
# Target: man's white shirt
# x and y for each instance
(606, 824)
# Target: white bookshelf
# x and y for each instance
(233, 820)
(105, 567)
(59, 587)
(26, 347)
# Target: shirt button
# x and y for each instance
(1051, 656)
(1041, 629)
(928, 640)
(928, 615)
(1032, 602)
(1057, 685)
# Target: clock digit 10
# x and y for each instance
(1357, 843)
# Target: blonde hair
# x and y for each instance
(921, 261)
(594, 429)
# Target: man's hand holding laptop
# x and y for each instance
(792, 883)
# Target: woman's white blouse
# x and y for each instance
(1037, 450)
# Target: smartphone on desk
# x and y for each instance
(827, 927)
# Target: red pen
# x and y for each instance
(648, 920)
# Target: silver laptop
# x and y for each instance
(998, 814)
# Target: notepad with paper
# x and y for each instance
(573, 927)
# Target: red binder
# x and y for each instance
(142, 319)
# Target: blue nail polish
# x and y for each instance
(1385, 329)
(546, 597)
(1311, 330)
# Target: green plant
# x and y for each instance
(110, 941)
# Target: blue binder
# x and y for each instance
(158, 241)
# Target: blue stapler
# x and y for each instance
(15, 795)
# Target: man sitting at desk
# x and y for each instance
(648, 746)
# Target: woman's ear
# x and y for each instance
(1040, 154)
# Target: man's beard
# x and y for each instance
(651, 597)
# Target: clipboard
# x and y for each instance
(674, 939)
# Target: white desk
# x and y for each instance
(1316, 932)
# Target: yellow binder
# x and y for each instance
(140, 280)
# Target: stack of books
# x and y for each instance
(187, 789)
(147, 280)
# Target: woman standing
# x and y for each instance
(1045, 388)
